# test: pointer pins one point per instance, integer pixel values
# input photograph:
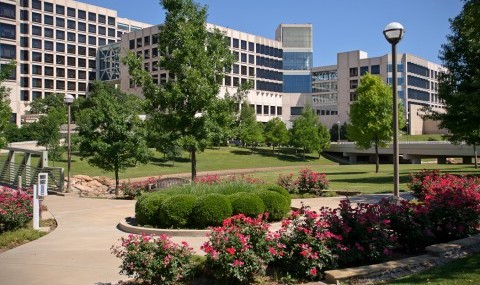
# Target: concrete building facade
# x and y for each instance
(54, 43)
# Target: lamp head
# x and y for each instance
(394, 32)
(68, 99)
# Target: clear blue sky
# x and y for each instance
(338, 25)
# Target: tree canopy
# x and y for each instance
(111, 134)
(250, 131)
(308, 132)
(276, 133)
(196, 58)
(459, 85)
(371, 117)
(5, 110)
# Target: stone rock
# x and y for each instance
(83, 188)
(83, 177)
(94, 184)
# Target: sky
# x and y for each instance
(338, 25)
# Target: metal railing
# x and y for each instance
(10, 173)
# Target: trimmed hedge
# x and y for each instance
(248, 204)
(147, 208)
(175, 211)
(281, 190)
(210, 210)
(275, 203)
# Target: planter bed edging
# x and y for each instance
(436, 254)
(124, 226)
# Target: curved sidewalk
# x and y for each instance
(78, 251)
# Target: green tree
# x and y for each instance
(196, 57)
(306, 132)
(324, 139)
(111, 134)
(334, 132)
(459, 86)
(47, 129)
(276, 133)
(5, 110)
(250, 132)
(371, 117)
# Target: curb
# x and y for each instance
(436, 254)
(124, 226)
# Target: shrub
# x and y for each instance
(311, 182)
(410, 222)
(16, 209)
(453, 209)
(176, 210)
(365, 235)
(276, 205)
(132, 190)
(210, 210)
(154, 260)
(286, 181)
(147, 208)
(281, 190)
(239, 249)
(304, 246)
(416, 181)
(248, 204)
(208, 179)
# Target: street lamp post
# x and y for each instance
(338, 129)
(394, 32)
(68, 100)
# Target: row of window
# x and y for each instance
(53, 84)
(324, 75)
(48, 45)
(49, 71)
(59, 47)
(72, 25)
(25, 94)
(374, 69)
(250, 46)
(267, 110)
(269, 86)
(71, 12)
(268, 74)
(418, 69)
(418, 82)
(331, 98)
(269, 62)
(59, 59)
(144, 41)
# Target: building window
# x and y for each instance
(375, 69)
(60, 84)
(60, 47)
(102, 41)
(92, 29)
(92, 40)
(60, 72)
(48, 33)
(71, 49)
(251, 46)
(111, 32)
(296, 111)
(71, 24)
(60, 9)
(111, 21)
(60, 35)
(71, 73)
(71, 61)
(353, 84)
(48, 20)
(272, 110)
(36, 4)
(82, 74)
(266, 109)
(24, 95)
(36, 18)
(235, 43)
(71, 12)
(244, 45)
(354, 71)
(37, 82)
(8, 31)
(48, 45)
(24, 3)
(36, 70)
(82, 38)
(24, 82)
(24, 42)
(363, 70)
(24, 69)
(82, 50)
(82, 26)
(102, 31)
(353, 96)
(71, 86)
(48, 58)
(8, 51)
(36, 31)
(92, 52)
(60, 59)
(24, 28)
(48, 83)
(82, 62)
(82, 14)
(48, 7)
(259, 109)
(71, 37)
(60, 22)
(36, 94)
(24, 15)
(101, 19)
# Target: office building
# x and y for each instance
(54, 43)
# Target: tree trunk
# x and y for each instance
(475, 155)
(304, 153)
(377, 159)
(117, 182)
(193, 155)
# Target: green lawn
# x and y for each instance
(421, 138)
(460, 272)
(359, 177)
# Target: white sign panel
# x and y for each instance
(43, 184)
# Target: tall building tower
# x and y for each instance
(297, 46)
(54, 43)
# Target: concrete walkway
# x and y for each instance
(78, 251)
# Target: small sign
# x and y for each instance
(43, 184)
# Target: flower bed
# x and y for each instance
(16, 209)
(309, 242)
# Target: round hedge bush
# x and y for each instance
(175, 211)
(248, 204)
(275, 203)
(147, 208)
(210, 210)
(281, 190)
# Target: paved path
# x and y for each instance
(78, 251)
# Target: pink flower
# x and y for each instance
(230, 250)
(237, 263)
(313, 271)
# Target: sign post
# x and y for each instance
(39, 190)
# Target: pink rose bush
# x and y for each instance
(16, 209)
(308, 181)
(155, 260)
